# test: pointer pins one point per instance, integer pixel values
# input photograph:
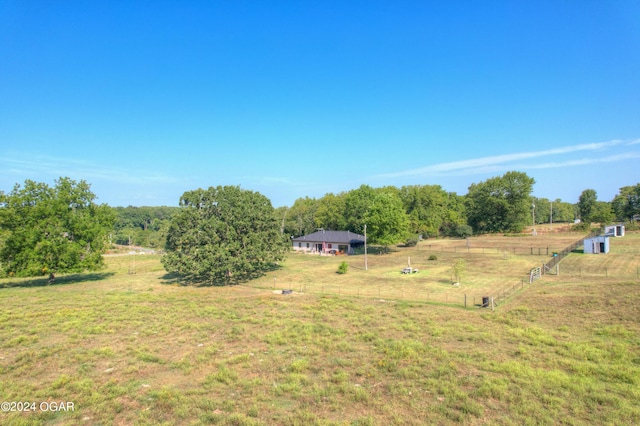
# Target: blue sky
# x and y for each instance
(148, 99)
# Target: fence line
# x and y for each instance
(533, 251)
(487, 299)
(547, 267)
(497, 296)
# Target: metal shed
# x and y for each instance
(616, 230)
(597, 245)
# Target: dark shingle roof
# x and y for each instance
(342, 237)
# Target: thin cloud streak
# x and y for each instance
(56, 167)
(501, 162)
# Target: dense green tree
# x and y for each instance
(626, 204)
(381, 210)
(49, 230)
(223, 235)
(145, 226)
(586, 204)
(300, 219)
(331, 213)
(602, 213)
(500, 204)
(428, 207)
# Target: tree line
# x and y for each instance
(499, 204)
(227, 234)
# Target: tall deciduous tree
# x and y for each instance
(381, 210)
(626, 204)
(429, 208)
(223, 235)
(501, 203)
(49, 230)
(587, 204)
(300, 219)
(331, 212)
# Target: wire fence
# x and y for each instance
(564, 253)
(458, 297)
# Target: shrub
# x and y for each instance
(342, 269)
(411, 242)
(463, 231)
(433, 257)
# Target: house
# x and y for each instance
(328, 242)
(596, 245)
(616, 230)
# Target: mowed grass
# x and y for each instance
(493, 264)
(136, 348)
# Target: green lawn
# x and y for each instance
(137, 348)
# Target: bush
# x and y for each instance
(411, 242)
(342, 269)
(581, 227)
(433, 257)
(464, 231)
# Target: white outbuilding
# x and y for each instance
(616, 230)
(597, 245)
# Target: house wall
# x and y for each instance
(312, 246)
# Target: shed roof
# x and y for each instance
(342, 237)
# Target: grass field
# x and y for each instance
(137, 348)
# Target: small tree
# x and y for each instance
(459, 269)
(342, 269)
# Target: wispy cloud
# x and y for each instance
(513, 161)
(39, 166)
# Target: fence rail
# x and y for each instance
(564, 253)
(488, 298)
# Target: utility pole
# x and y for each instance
(365, 248)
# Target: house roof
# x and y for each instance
(341, 237)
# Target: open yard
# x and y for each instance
(127, 345)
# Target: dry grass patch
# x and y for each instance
(136, 349)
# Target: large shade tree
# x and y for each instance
(626, 204)
(223, 235)
(49, 230)
(501, 203)
(381, 210)
(587, 204)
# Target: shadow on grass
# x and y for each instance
(174, 278)
(60, 280)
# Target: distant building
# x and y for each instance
(328, 242)
(597, 245)
(616, 230)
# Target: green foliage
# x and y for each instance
(500, 204)
(431, 209)
(626, 204)
(48, 230)
(300, 218)
(587, 204)
(459, 269)
(433, 257)
(381, 210)
(142, 226)
(463, 231)
(602, 213)
(411, 242)
(343, 267)
(223, 235)
(331, 212)
(562, 211)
